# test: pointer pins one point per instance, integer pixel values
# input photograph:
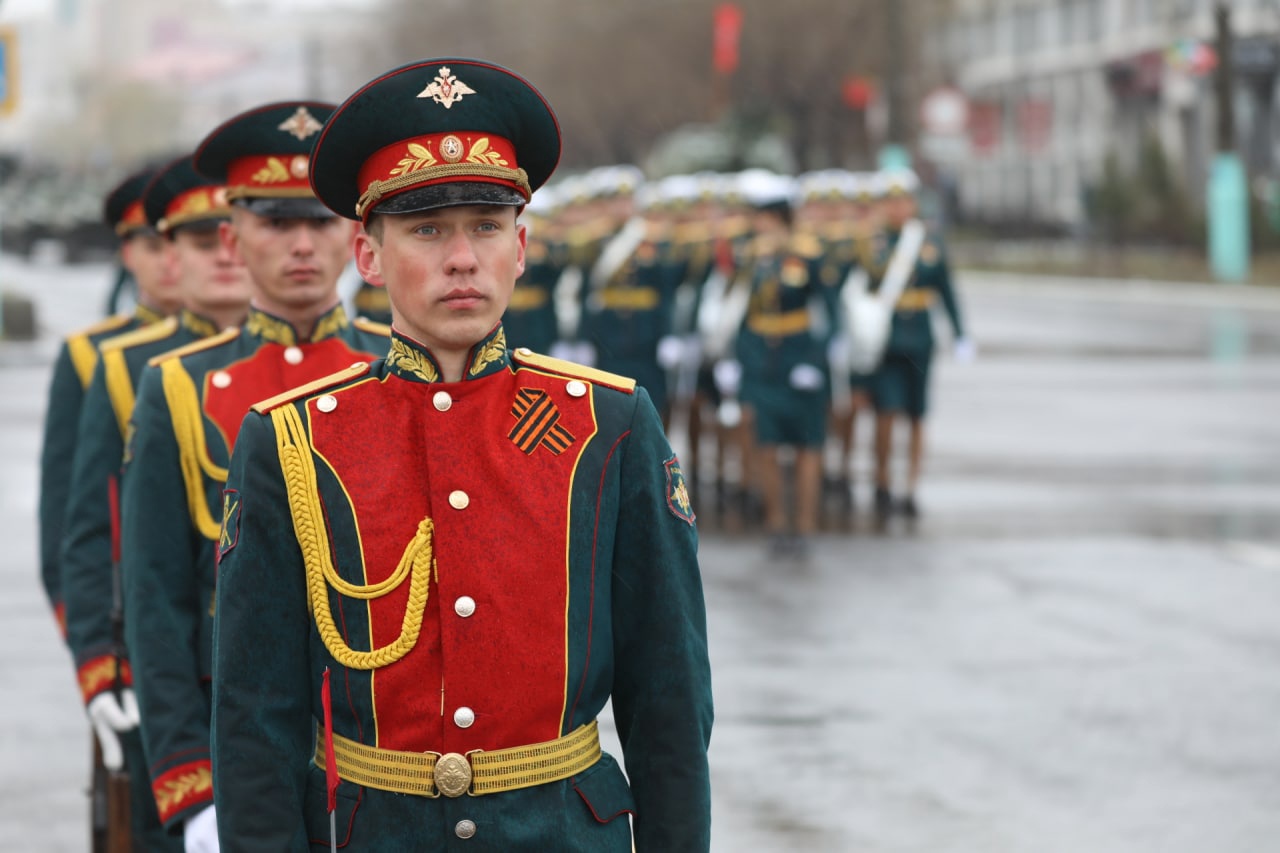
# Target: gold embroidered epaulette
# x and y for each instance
(84, 355)
(364, 324)
(142, 335)
(360, 368)
(197, 346)
(529, 358)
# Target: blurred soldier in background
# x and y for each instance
(530, 319)
(782, 352)
(899, 388)
(146, 255)
(186, 210)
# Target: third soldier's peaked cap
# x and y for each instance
(122, 208)
(263, 157)
(179, 196)
(436, 133)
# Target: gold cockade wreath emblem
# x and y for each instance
(275, 172)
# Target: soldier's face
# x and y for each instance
(150, 259)
(449, 272)
(294, 263)
(209, 276)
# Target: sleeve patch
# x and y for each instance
(230, 534)
(678, 492)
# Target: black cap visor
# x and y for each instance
(285, 207)
(452, 194)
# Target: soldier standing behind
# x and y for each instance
(189, 408)
(899, 387)
(530, 319)
(146, 256)
(484, 582)
(186, 210)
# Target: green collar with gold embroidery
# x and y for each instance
(410, 360)
(146, 315)
(201, 327)
(271, 329)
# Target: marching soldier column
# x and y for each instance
(189, 406)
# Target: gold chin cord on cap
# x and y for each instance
(417, 563)
(379, 190)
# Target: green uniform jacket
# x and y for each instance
(563, 573)
(530, 318)
(625, 316)
(87, 581)
(912, 329)
(189, 408)
(71, 374)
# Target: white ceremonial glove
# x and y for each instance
(109, 717)
(838, 351)
(670, 352)
(728, 376)
(200, 833)
(964, 350)
(585, 353)
(806, 377)
(563, 350)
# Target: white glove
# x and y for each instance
(200, 833)
(838, 351)
(964, 350)
(806, 377)
(670, 352)
(585, 353)
(729, 413)
(109, 717)
(728, 376)
(563, 350)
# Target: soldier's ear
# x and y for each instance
(368, 256)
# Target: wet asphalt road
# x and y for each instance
(1077, 647)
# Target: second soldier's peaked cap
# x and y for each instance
(436, 133)
(180, 196)
(263, 157)
(122, 208)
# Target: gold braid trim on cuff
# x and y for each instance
(193, 453)
(379, 189)
(417, 562)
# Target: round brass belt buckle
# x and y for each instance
(453, 774)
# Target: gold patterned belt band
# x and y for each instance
(915, 299)
(628, 298)
(779, 325)
(525, 298)
(430, 774)
(372, 299)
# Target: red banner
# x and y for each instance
(724, 39)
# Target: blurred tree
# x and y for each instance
(624, 75)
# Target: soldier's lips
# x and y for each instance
(302, 273)
(462, 299)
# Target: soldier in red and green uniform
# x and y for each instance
(146, 256)
(530, 319)
(189, 407)
(186, 209)
(519, 550)
(899, 387)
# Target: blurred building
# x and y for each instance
(1053, 88)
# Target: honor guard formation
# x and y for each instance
(329, 581)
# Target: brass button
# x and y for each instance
(464, 606)
(293, 355)
(327, 403)
(442, 401)
(465, 829)
(524, 351)
(459, 499)
(576, 388)
(464, 717)
(221, 379)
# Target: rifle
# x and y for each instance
(119, 823)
